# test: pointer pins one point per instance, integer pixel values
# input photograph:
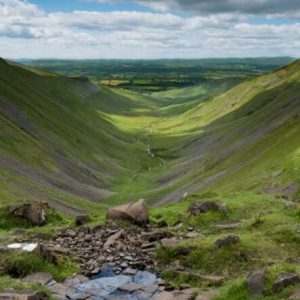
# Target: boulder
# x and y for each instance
(23, 296)
(256, 282)
(285, 279)
(198, 207)
(227, 241)
(136, 212)
(34, 212)
(170, 242)
(81, 219)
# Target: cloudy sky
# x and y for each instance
(149, 28)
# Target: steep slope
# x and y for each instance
(238, 139)
(54, 143)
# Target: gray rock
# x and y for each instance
(256, 282)
(208, 295)
(199, 207)
(39, 278)
(295, 296)
(81, 219)
(130, 287)
(165, 296)
(23, 296)
(226, 241)
(285, 279)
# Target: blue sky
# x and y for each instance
(148, 28)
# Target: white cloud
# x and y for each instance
(28, 31)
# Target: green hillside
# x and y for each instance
(70, 142)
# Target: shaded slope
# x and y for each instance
(54, 144)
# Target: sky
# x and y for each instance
(80, 29)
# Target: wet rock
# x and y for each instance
(136, 212)
(81, 219)
(130, 287)
(256, 282)
(226, 241)
(285, 279)
(39, 278)
(35, 212)
(129, 271)
(199, 207)
(23, 296)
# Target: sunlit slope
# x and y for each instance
(55, 144)
(237, 140)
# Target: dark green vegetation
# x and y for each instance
(84, 147)
(160, 75)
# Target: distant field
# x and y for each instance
(162, 75)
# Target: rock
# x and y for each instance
(295, 296)
(165, 296)
(209, 295)
(81, 219)
(151, 289)
(135, 212)
(130, 287)
(61, 290)
(256, 282)
(192, 235)
(23, 296)
(229, 225)
(285, 279)
(41, 278)
(226, 241)
(186, 294)
(34, 212)
(75, 280)
(199, 207)
(170, 243)
(52, 253)
(129, 271)
(110, 241)
(153, 236)
(291, 205)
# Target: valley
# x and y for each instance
(84, 145)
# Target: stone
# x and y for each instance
(61, 290)
(23, 296)
(227, 241)
(295, 296)
(199, 207)
(208, 295)
(170, 242)
(192, 235)
(130, 287)
(111, 240)
(75, 280)
(154, 236)
(256, 282)
(129, 271)
(81, 219)
(229, 225)
(52, 252)
(165, 296)
(41, 278)
(285, 279)
(151, 289)
(186, 294)
(34, 212)
(136, 212)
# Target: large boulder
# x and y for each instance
(198, 207)
(34, 212)
(136, 212)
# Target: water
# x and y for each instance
(106, 286)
